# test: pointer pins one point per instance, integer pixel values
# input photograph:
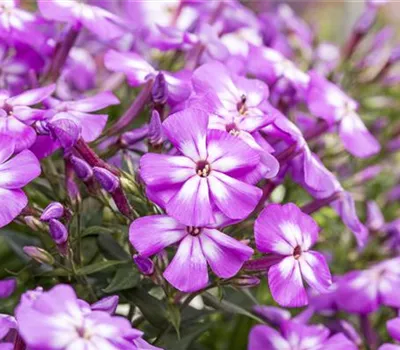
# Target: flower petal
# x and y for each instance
(356, 138)
(162, 169)
(19, 170)
(187, 131)
(280, 228)
(264, 337)
(286, 284)
(151, 234)
(32, 97)
(188, 269)
(192, 205)
(224, 254)
(315, 270)
(23, 135)
(227, 153)
(7, 145)
(11, 203)
(234, 198)
(94, 103)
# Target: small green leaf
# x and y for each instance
(97, 230)
(152, 308)
(111, 248)
(174, 316)
(98, 267)
(126, 277)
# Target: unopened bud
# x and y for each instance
(39, 254)
(106, 179)
(66, 132)
(365, 21)
(159, 91)
(82, 169)
(375, 219)
(34, 223)
(107, 304)
(155, 129)
(54, 210)
(246, 281)
(145, 265)
(58, 231)
(130, 138)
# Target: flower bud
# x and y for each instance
(159, 90)
(34, 223)
(365, 21)
(246, 281)
(38, 254)
(58, 231)
(65, 131)
(106, 179)
(54, 210)
(145, 265)
(107, 304)
(130, 138)
(375, 219)
(155, 129)
(81, 168)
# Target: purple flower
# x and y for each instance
(198, 246)
(297, 336)
(289, 234)
(15, 173)
(364, 291)
(99, 21)
(393, 327)
(79, 111)
(58, 320)
(327, 101)
(205, 179)
(7, 287)
(16, 116)
(138, 71)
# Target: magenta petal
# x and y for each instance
(393, 327)
(192, 205)
(94, 103)
(32, 97)
(280, 228)
(224, 254)
(19, 170)
(286, 284)
(234, 198)
(7, 145)
(102, 24)
(162, 169)
(356, 138)
(188, 269)
(57, 10)
(134, 66)
(264, 337)
(11, 203)
(228, 153)
(340, 342)
(7, 287)
(315, 270)
(151, 234)
(23, 135)
(187, 131)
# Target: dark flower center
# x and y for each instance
(232, 129)
(241, 105)
(8, 108)
(193, 231)
(203, 168)
(297, 252)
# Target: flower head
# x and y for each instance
(289, 234)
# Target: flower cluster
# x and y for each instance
(165, 161)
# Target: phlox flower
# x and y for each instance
(288, 234)
(205, 178)
(198, 247)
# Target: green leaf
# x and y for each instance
(214, 302)
(174, 316)
(98, 267)
(170, 341)
(17, 240)
(126, 277)
(152, 308)
(97, 230)
(111, 248)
